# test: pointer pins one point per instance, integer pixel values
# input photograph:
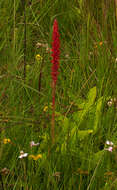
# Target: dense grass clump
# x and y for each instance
(82, 152)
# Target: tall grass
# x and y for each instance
(85, 116)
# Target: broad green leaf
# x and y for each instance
(64, 120)
(73, 135)
(80, 3)
(92, 95)
(96, 159)
(73, 131)
(2, 44)
(77, 10)
(84, 133)
(97, 113)
(65, 124)
(90, 101)
(97, 156)
(63, 147)
(80, 103)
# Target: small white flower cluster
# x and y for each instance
(110, 146)
(43, 45)
(23, 154)
(112, 101)
(32, 143)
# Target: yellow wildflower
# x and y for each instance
(95, 46)
(98, 44)
(101, 43)
(45, 108)
(6, 141)
(38, 57)
(35, 157)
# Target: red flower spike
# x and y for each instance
(55, 65)
(55, 51)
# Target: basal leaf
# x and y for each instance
(91, 96)
(90, 101)
(84, 133)
(97, 113)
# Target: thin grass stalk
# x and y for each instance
(94, 174)
(24, 10)
(40, 77)
(24, 44)
(116, 9)
(14, 32)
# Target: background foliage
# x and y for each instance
(86, 84)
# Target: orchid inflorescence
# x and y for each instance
(55, 66)
(55, 51)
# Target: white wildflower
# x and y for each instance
(109, 143)
(110, 149)
(22, 154)
(32, 143)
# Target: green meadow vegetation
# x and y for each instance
(83, 155)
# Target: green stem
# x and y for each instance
(53, 113)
